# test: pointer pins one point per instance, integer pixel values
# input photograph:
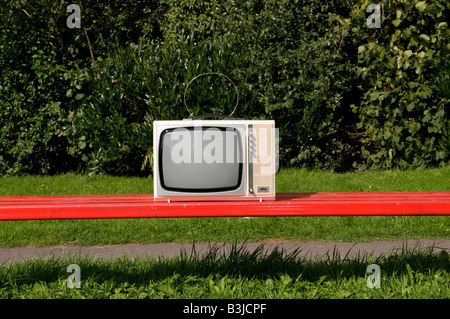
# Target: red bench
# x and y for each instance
(288, 204)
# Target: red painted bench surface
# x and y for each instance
(286, 204)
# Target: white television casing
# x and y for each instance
(214, 160)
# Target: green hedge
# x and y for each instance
(47, 74)
(137, 85)
(294, 70)
(32, 90)
(404, 68)
(344, 96)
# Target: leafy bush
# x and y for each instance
(292, 65)
(404, 68)
(200, 19)
(33, 83)
(47, 73)
(112, 132)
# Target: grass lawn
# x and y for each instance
(238, 275)
(233, 229)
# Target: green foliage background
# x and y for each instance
(405, 69)
(343, 96)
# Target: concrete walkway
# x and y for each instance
(166, 250)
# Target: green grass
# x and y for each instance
(288, 180)
(238, 274)
(432, 180)
(223, 229)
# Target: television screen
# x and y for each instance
(199, 159)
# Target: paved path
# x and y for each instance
(165, 250)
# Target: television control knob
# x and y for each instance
(250, 190)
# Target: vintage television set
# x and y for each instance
(214, 160)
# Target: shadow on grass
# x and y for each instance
(236, 262)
